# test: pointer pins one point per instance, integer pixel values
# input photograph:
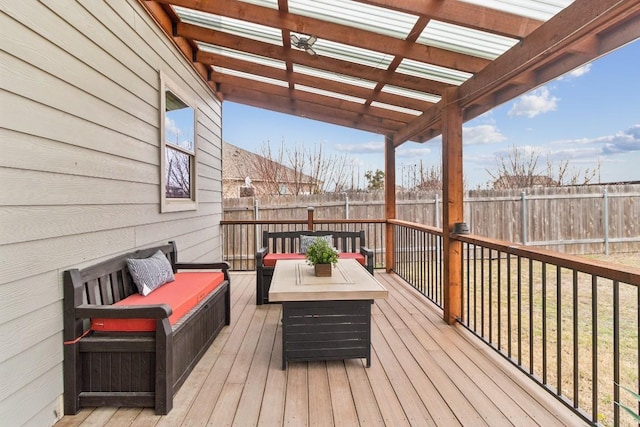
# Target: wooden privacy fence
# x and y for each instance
(577, 220)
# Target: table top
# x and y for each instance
(295, 280)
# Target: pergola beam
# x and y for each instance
(335, 32)
(272, 51)
(212, 59)
(312, 111)
(464, 14)
(230, 86)
(542, 54)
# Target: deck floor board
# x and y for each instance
(423, 372)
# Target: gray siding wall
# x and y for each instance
(79, 172)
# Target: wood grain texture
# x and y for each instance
(423, 372)
(293, 280)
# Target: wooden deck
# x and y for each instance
(423, 373)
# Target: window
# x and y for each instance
(177, 149)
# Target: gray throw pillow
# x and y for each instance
(150, 273)
(306, 241)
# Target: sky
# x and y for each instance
(588, 117)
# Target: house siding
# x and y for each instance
(80, 173)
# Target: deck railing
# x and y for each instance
(241, 239)
(570, 323)
(417, 254)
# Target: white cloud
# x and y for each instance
(483, 134)
(170, 128)
(580, 71)
(622, 142)
(537, 102)
(367, 147)
(625, 141)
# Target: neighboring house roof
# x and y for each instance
(239, 163)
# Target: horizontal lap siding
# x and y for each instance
(79, 134)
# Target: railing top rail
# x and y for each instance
(349, 221)
(265, 221)
(294, 221)
(416, 226)
(619, 272)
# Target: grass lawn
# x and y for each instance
(558, 325)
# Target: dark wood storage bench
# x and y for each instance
(277, 245)
(325, 318)
(139, 369)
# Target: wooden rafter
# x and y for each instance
(578, 34)
(546, 54)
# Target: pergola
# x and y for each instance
(408, 69)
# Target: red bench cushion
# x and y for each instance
(353, 255)
(270, 259)
(181, 295)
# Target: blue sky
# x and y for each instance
(588, 116)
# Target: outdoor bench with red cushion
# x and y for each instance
(278, 245)
(123, 348)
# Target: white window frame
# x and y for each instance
(169, 204)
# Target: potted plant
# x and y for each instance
(322, 256)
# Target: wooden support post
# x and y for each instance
(389, 199)
(310, 210)
(453, 209)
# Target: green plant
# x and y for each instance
(320, 252)
(627, 409)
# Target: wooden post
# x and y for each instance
(389, 198)
(310, 210)
(453, 198)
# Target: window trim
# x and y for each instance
(168, 204)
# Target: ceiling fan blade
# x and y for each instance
(310, 51)
(311, 40)
(295, 40)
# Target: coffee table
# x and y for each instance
(325, 318)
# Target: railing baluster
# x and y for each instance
(499, 298)
(559, 328)
(468, 281)
(482, 303)
(490, 296)
(544, 323)
(616, 350)
(594, 348)
(509, 298)
(575, 341)
(519, 294)
(531, 334)
(474, 291)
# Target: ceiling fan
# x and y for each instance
(304, 43)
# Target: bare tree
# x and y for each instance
(178, 174)
(269, 169)
(429, 178)
(303, 170)
(329, 173)
(519, 168)
(564, 175)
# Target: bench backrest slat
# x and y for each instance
(116, 286)
(109, 281)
